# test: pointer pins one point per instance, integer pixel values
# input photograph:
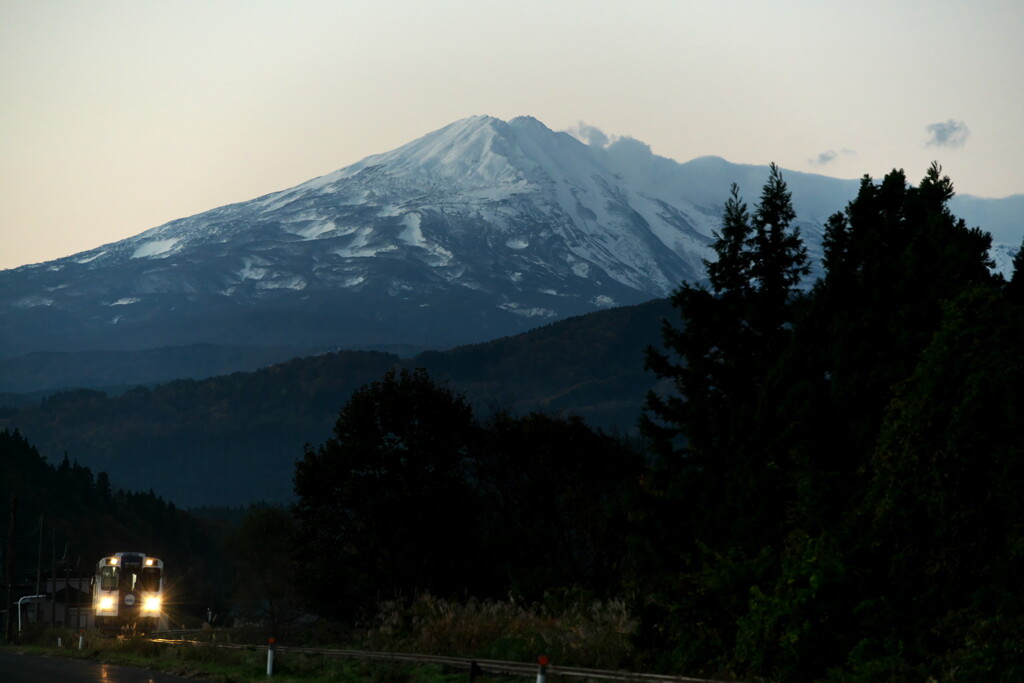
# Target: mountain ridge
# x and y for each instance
(477, 230)
(233, 439)
(472, 222)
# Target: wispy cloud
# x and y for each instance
(590, 135)
(949, 133)
(828, 156)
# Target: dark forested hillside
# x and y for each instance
(83, 518)
(228, 440)
(232, 440)
(589, 365)
(47, 372)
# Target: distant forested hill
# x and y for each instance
(233, 439)
(227, 440)
(83, 518)
(590, 365)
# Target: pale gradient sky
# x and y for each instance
(118, 116)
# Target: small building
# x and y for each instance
(65, 602)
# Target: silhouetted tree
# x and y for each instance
(843, 459)
(384, 506)
(719, 476)
(896, 260)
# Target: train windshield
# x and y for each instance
(108, 578)
(150, 580)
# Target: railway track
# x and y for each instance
(490, 666)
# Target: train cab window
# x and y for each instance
(150, 579)
(108, 578)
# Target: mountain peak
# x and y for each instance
(528, 121)
(471, 152)
(481, 228)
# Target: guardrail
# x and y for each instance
(492, 666)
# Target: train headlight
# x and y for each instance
(106, 602)
(151, 604)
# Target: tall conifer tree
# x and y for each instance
(721, 493)
(732, 331)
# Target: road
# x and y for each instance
(18, 668)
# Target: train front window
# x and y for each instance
(150, 579)
(108, 578)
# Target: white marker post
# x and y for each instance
(270, 656)
(542, 668)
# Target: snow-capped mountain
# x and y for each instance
(480, 229)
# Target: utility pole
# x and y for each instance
(11, 529)
(78, 594)
(39, 566)
(53, 578)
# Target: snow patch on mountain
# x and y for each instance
(90, 258)
(283, 282)
(156, 248)
(251, 271)
(528, 311)
(353, 281)
(364, 242)
(316, 229)
(411, 234)
(1003, 254)
(33, 302)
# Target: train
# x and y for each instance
(128, 593)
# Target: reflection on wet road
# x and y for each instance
(16, 668)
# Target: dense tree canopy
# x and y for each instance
(389, 485)
(847, 461)
(556, 498)
(413, 493)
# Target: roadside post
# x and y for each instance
(542, 668)
(270, 656)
